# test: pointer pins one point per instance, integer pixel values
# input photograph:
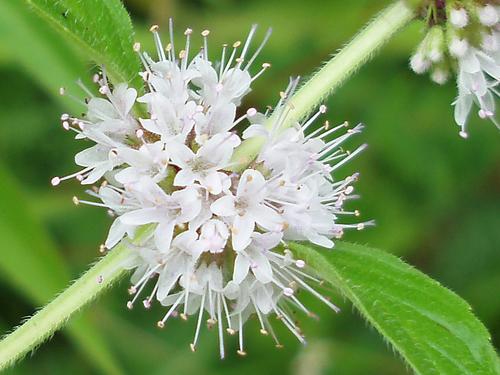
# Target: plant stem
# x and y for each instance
(46, 321)
(331, 76)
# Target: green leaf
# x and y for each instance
(56, 64)
(27, 250)
(431, 327)
(101, 29)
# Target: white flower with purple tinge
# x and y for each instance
(464, 39)
(212, 238)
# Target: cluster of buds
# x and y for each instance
(463, 39)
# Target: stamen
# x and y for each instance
(240, 351)
(247, 44)
(185, 55)
(205, 34)
(171, 34)
(162, 322)
(159, 48)
(259, 49)
(198, 324)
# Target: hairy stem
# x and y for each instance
(46, 321)
(342, 65)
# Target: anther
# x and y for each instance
(154, 28)
(236, 44)
(463, 134)
(137, 47)
(251, 112)
(241, 352)
(205, 33)
(230, 331)
(102, 248)
(322, 108)
(62, 91)
(103, 90)
(300, 263)
(188, 31)
(146, 304)
(160, 324)
(100, 279)
(55, 181)
(211, 322)
(130, 305)
(192, 347)
(264, 332)
(76, 201)
(183, 316)
(288, 292)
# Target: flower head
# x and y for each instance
(215, 239)
(463, 38)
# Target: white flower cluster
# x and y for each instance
(213, 239)
(464, 37)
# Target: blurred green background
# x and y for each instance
(435, 197)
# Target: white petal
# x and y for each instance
(266, 217)
(143, 216)
(163, 235)
(224, 206)
(261, 267)
(185, 177)
(251, 185)
(241, 268)
(212, 183)
(116, 233)
(242, 230)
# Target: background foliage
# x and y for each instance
(435, 197)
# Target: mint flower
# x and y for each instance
(215, 238)
(463, 39)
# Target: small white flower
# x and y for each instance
(478, 76)
(204, 166)
(247, 208)
(471, 54)
(214, 235)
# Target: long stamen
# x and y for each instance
(159, 47)
(162, 322)
(171, 35)
(240, 351)
(198, 324)
(259, 49)
(220, 327)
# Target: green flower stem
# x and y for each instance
(342, 65)
(46, 321)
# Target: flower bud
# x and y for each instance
(488, 15)
(458, 47)
(419, 64)
(459, 18)
(440, 76)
